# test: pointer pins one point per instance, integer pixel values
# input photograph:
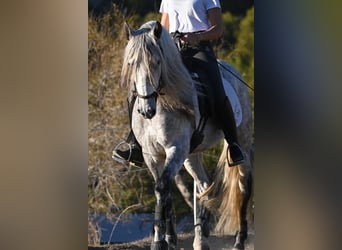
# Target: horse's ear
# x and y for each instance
(128, 31)
(157, 30)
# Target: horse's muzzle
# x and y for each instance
(148, 114)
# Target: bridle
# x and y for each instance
(154, 94)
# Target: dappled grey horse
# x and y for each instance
(165, 116)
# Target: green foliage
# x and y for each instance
(152, 16)
(242, 57)
(230, 31)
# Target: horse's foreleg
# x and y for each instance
(245, 184)
(164, 231)
(164, 227)
(162, 192)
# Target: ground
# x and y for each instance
(184, 243)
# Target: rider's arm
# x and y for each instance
(216, 28)
(214, 32)
(165, 21)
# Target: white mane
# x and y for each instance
(175, 80)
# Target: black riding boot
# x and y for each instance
(134, 153)
(226, 116)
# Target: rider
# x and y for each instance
(194, 24)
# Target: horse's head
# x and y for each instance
(142, 66)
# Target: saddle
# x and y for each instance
(205, 105)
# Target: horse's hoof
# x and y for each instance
(201, 244)
(239, 246)
(159, 245)
(171, 241)
(201, 247)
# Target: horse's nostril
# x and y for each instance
(150, 113)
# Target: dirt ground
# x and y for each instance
(184, 243)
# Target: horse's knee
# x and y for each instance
(162, 186)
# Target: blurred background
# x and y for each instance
(45, 125)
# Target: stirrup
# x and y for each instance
(120, 159)
(230, 161)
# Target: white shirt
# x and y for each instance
(188, 15)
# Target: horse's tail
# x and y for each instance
(225, 196)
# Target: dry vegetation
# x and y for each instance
(107, 121)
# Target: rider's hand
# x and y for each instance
(191, 38)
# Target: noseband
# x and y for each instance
(154, 94)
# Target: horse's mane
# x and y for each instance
(175, 80)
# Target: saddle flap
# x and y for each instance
(234, 101)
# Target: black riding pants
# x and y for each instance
(202, 60)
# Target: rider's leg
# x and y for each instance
(134, 154)
(205, 62)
